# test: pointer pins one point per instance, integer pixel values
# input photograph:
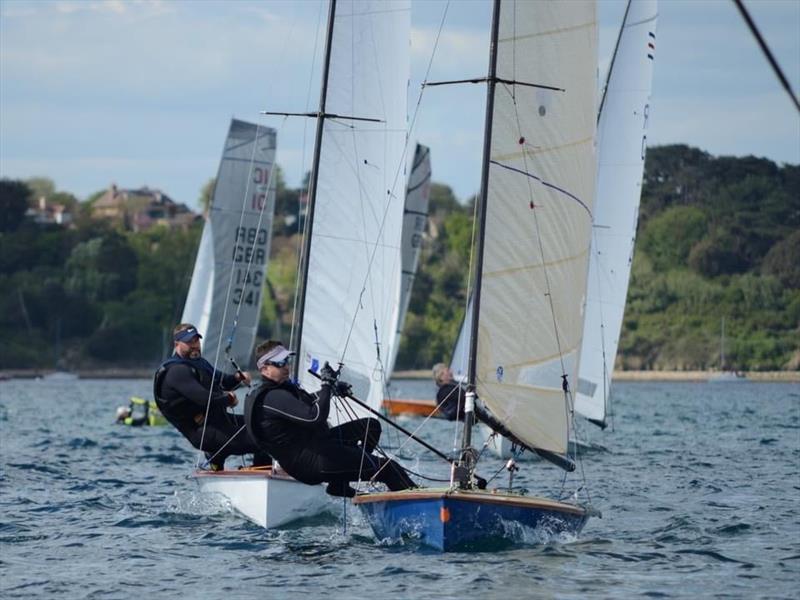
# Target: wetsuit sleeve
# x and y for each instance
(228, 381)
(283, 404)
(181, 381)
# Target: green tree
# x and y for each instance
(442, 199)
(41, 187)
(103, 268)
(669, 237)
(783, 260)
(207, 195)
(14, 197)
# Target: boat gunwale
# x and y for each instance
(246, 473)
(503, 499)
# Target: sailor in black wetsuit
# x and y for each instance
(450, 395)
(292, 425)
(181, 389)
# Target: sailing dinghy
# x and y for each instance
(623, 119)
(224, 301)
(537, 190)
(351, 266)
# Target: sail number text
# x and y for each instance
(249, 257)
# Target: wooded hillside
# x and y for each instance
(718, 237)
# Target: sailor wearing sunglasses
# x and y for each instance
(292, 425)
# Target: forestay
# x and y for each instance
(622, 136)
(538, 218)
(231, 263)
(353, 283)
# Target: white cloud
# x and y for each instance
(140, 91)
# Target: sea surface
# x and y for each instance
(699, 486)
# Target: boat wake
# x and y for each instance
(199, 503)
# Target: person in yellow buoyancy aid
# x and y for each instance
(139, 412)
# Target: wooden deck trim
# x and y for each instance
(471, 496)
(247, 472)
(409, 406)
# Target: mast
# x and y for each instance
(722, 347)
(312, 190)
(476, 296)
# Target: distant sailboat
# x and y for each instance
(59, 375)
(623, 120)
(537, 191)
(725, 375)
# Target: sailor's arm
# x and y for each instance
(181, 379)
(285, 405)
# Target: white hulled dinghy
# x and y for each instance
(350, 277)
(224, 301)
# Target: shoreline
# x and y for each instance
(697, 376)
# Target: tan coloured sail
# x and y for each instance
(538, 221)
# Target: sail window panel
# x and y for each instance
(518, 348)
(356, 238)
(543, 414)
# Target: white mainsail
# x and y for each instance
(537, 232)
(353, 283)
(622, 136)
(415, 218)
(231, 264)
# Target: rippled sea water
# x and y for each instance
(699, 488)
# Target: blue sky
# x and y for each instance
(141, 92)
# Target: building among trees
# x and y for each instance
(140, 209)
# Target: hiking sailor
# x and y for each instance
(194, 398)
(292, 425)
